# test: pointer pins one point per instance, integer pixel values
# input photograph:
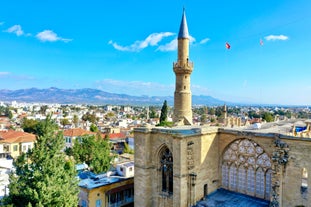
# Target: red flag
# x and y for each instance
(261, 42)
(227, 45)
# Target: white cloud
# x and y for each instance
(16, 29)
(205, 40)
(172, 45)
(50, 36)
(2, 74)
(152, 40)
(135, 87)
(276, 37)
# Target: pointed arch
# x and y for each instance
(268, 184)
(241, 179)
(260, 183)
(166, 168)
(250, 181)
(246, 168)
(233, 177)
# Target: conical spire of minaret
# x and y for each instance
(183, 30)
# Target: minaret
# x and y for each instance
(183, 69)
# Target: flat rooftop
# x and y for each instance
(280, 127)
(225, 198)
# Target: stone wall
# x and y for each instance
(197, 158)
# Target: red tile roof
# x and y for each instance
(117, 136)
(16, 137)
(77, 132)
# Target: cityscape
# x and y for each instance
(91, 121)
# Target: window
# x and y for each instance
(246, 168)
(130, 169)
(205, 190)
(98, 203)
(15, 147)
(24, 148)
(304, 177)
(84, 204)
(166, 163)
(121, 169)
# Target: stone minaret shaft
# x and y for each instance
(183, 69)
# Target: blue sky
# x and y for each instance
(123, 46)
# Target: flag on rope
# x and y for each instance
(227, 45)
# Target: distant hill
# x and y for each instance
(92, 96)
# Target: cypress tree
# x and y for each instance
(164, 109)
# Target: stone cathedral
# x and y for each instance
(182, 165)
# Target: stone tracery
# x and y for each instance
(246, 168)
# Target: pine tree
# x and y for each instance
(43, 176)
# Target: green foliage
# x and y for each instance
(164, 110)
(212, 111)
(268, 117)
(43, 109)
(203, 118)
(94, 151)
(165, 123)
(152, 113)
(75, 119)
(127, 149)
(93, 128)
(37, 127)
(64, 122)
(89, 117)
(5, 111)
(29, 125)
(43, 176)
(253, 114)
(302, 115)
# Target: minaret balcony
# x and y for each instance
(183, 67)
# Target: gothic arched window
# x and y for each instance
(246, 168)
(166, 162)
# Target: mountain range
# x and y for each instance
(92, 96)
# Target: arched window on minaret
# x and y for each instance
(166, 166)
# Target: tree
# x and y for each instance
(164, 109)
(43, 176)
(268, 117)
(75, 120)
(203, 118)
(127, 149)
(43, 109)
(94, 151)
(29, 125)
(64, 122)
(89, 117)
(93, 128)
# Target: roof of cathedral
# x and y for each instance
(183, 30)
